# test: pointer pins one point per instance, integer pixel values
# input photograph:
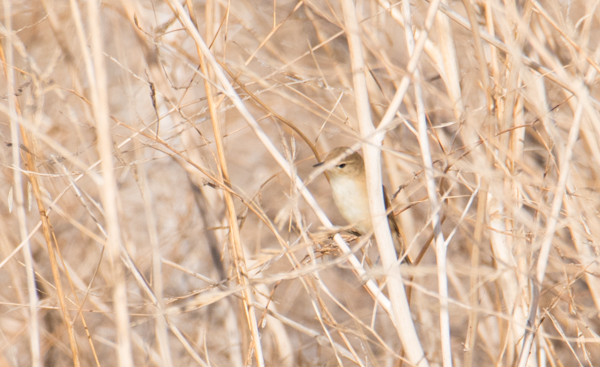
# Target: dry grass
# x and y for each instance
(160, 205)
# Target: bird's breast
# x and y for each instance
(350, 196)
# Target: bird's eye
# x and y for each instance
(342, 165)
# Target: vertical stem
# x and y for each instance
(34, 327)
(161, 326)
(446, 44)
(234, 231)
(400, 307)
(440, 243)
(109, 186)
(483, 194)
(31, 148)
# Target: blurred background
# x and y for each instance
(167, 216)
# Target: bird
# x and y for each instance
(349, 190)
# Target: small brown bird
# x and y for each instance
(349, 188)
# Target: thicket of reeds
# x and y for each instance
(159, 206)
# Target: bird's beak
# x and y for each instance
(319, 164)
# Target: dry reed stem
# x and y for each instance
(157, 274)
(31, 149)
(482, 204)
(440, 243)
(97, 78)
(8, 61)
(399, 303)
(239, 257)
